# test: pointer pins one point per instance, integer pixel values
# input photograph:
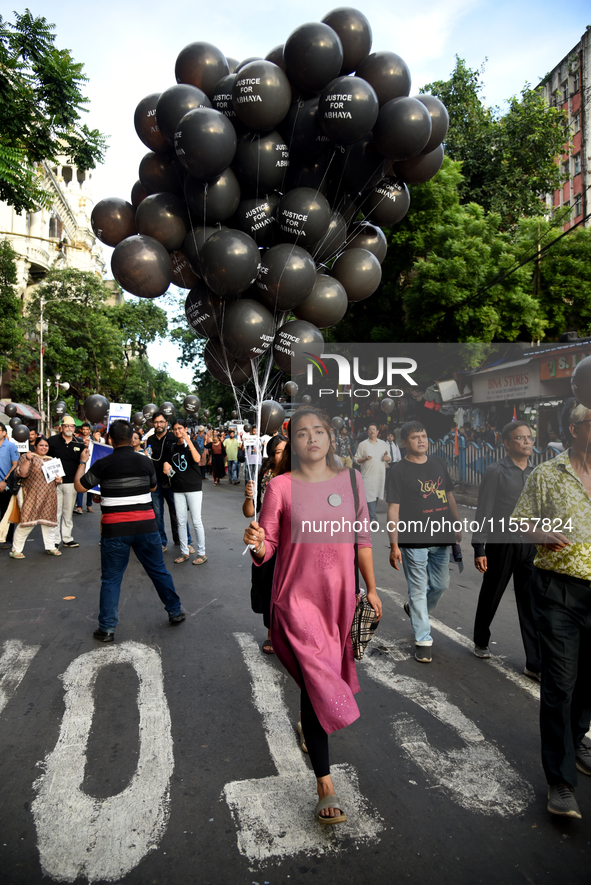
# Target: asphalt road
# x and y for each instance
(171, 756)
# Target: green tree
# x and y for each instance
(92, 344)
(41, 103)
(508, 159)
(11, 335)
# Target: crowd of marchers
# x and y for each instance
(533, 524)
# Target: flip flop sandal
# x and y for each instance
(267, 648)
(331, 801)
(303, 744)
(200, 560)
(182, 558)
(16, 555)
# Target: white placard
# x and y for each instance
(250, 441)
(22, 447)
(118, 412)
(53, 468)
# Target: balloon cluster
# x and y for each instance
(266, 186)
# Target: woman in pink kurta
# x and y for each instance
(307, 518)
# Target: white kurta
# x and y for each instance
(374, 471)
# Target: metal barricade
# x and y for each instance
(472, 459)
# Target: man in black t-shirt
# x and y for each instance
(128, 522)
(159, 446)
(68, 449)
(421, 513)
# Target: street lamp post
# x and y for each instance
(65, 385)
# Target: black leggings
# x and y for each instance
(315, 735)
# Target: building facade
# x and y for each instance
(568, 86)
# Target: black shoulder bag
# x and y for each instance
(364, 620)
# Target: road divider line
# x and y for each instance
(14, 663)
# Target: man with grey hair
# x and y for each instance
(68, 449)
(554, 510)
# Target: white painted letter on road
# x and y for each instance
(103, 839)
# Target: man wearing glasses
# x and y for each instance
(555, 511)
(67, 448)
(499, 553)
(160, 447)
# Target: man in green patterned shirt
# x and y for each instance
(554, 510)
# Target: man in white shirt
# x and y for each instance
(372, 456)
(393, 449)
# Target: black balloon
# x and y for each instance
(191, 404)
(10, 410)
(174, 103)
(272, 416)
(234, 414)
(260, 162)
(205, 143)
(224, 367)
(247, 428)
(313, 56)
(388, 203)
(232, 64)
(216, 200)
(161, 174)
(291, 388)
(439, 121)
(163, 217)
(387, 73)
(204, 311)
(348, 109)
(387, 405)
(420, 168)
(247, 61)
(363, 166)
(183, 274)
(256, 217)
(194, 244)
(20, 433)
(112, 220)
(229, 262)
(337, 422)
(325, 305)
(306, 399)
(403, 128)
(301, 129)
(16, 422)
(333, 240)
(138, 419)
(294, 342)
(248, 329)
(313, 173)
(141, 265)
(220, 411)
(96, 407)
(223, 102)
(303, 216)
(167, 410)
(60, 409)
(146, 125)
(138, 193)
(149, 411)
(202, 65)
(354, 32)
(359, 271)
(370, 237)
(286, 277)
(581, 382)
(261, 95)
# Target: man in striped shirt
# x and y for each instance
(128, 522)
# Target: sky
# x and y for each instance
(129, 50)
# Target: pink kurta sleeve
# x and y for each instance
(270, 520)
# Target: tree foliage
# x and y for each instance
(41, 103)
(508, 159)
(10, 329)
(453, 274)
(94, 345)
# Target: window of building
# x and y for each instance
(577, 123)
(578, 206)
(67, 174)
(566, 170)
(577, 160)
(552, 100)
(55, 228)
(81, 176)
(576, 82)
(563, 92)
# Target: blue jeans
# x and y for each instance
(426, 570)
(80, 499)
(233, 468)
(114, 561)
(372, 509)
(191, 502)
(249, 471)
(159, 496)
